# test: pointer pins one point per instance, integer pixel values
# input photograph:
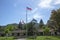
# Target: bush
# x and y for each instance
(46, 31)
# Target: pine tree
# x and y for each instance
(20, 25)
(41, 24)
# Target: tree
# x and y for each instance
(20, 25)
(31, 27)
(1, 28)
(41, 24)
(51, 24)
(46, 30)
(55, 16)
(34, 21)
(8, 29)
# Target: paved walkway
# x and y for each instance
(20, 39)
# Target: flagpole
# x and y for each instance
(27, 8)
(26, 22)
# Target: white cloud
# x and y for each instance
(45, 4)
(34, 10)
(57, 2)
(37, 16)
(29, 18)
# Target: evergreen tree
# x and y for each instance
(41, 24)
(20, 25)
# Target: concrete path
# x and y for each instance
(20, 39)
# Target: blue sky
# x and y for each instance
(12, 11)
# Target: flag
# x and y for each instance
(29, 8)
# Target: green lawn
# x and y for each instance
(6, 38)
(37, 38)
(45, 38)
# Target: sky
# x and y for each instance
(12, 11)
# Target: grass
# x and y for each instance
(45, 38)
(6, 38)
(32, 38)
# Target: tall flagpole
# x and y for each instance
(27, 8)
(26, 22)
